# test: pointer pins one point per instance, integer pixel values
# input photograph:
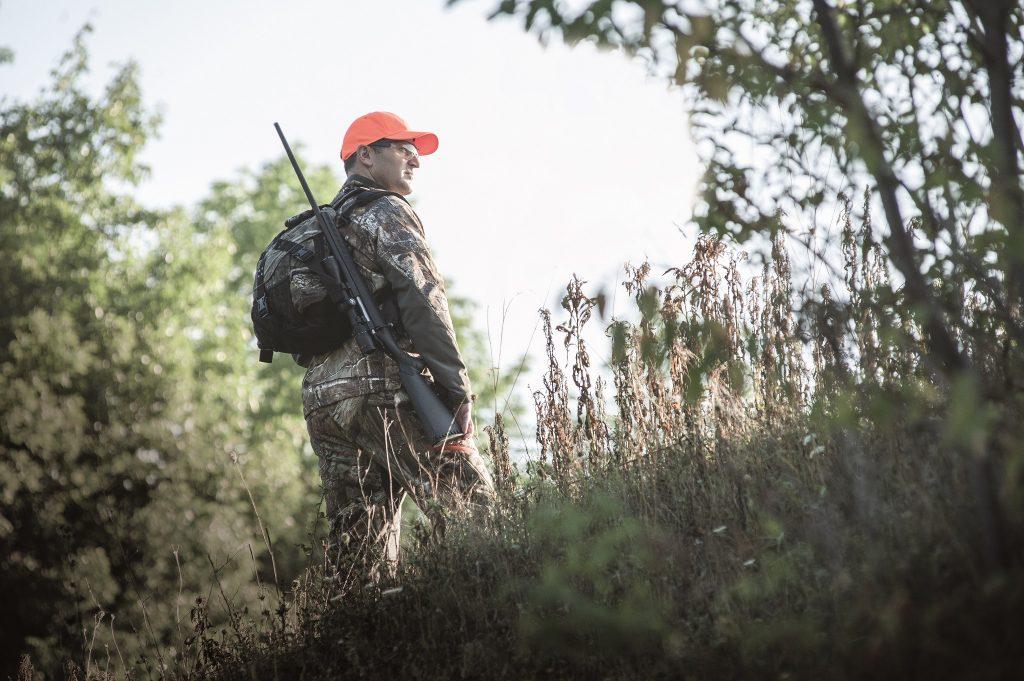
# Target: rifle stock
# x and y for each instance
(372, 333)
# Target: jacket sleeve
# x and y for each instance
(401, 251)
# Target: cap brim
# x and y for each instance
(426, 142)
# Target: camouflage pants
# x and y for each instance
(373, 452)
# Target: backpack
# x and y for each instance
(301, 248)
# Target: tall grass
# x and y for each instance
(763, 483)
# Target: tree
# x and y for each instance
(919, 99)
(125, 389)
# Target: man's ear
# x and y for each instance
(364, 156)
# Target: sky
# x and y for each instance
(552, 161)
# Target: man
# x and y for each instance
(371, 447)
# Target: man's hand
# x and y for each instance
(464, 418)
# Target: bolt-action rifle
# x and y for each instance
(353, 298)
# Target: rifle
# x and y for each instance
(371, 331)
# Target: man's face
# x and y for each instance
(394, 165)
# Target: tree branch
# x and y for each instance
(1008, 203)
(940, 341)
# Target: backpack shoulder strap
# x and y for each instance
(358, 197)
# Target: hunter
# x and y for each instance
(371, 448)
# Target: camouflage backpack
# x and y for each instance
(300, 248)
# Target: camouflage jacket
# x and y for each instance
(389, 246)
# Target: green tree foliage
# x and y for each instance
(126, 385)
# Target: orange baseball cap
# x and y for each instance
(381, 125)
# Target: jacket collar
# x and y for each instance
(361, 181)
(355, 183)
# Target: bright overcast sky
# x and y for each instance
(551, 160)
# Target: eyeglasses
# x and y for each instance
(407, 150)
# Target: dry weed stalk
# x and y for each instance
(713, 361)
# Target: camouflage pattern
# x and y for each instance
(372, 453)
(389, 246)
(305, 287)
(371, 446)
